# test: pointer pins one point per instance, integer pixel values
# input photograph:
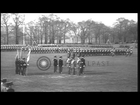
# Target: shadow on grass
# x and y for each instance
(96, 73)
(85, 73)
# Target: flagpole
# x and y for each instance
(24, 31)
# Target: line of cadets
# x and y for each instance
(85, 51)
(71, 62)
(76, 50)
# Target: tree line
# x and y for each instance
(52, 29)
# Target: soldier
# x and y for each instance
(130, 50)
(21, 66)
(17, 65)
(24, 67)
(68, 62)
(113, 52)
(8, 86)
(60, 64)
(69, 53)
(83, 64)
(78, 62)
(3, 88)
(73, 65)
(17, 62)
(55, 63)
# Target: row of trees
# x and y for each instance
(51, 29)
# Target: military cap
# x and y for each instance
(4, 80)
(7, 84)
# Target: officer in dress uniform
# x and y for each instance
(60, 64)
(21, 66)
(55, 63)
(83, 64)
(78, 62)
(68, 62)
(16, 65)
(24, 67)
(73, 65)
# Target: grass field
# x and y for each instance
(119, 73)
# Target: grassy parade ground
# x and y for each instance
(102, 74)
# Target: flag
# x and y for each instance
(28, 55)
(17, 55)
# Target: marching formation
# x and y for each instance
(86, 51)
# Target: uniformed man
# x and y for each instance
(78, 62)
(68, 62)
(8, 86)
(73, 65)
(113, 52)
(130, 50)
(83, 64)
(24, 67)
(17, 65)
(3, 87)
(21, 66)
(60, 64)
(55, 63)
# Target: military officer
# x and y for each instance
(83, 64)
(60, 64)
(55, 63)
(24, 67)
(73, 65)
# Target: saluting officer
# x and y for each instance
(55, 63)
(60, 64)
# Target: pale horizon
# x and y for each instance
(107, 18)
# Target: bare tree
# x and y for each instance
(18, 20)
(4, 19)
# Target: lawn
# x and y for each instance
(103, 73)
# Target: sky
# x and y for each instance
(107, 18)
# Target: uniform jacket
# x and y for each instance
(83, 62)
(73, 63)
(68, 62)
(24, 64)
(60, 62)
(55, 62)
